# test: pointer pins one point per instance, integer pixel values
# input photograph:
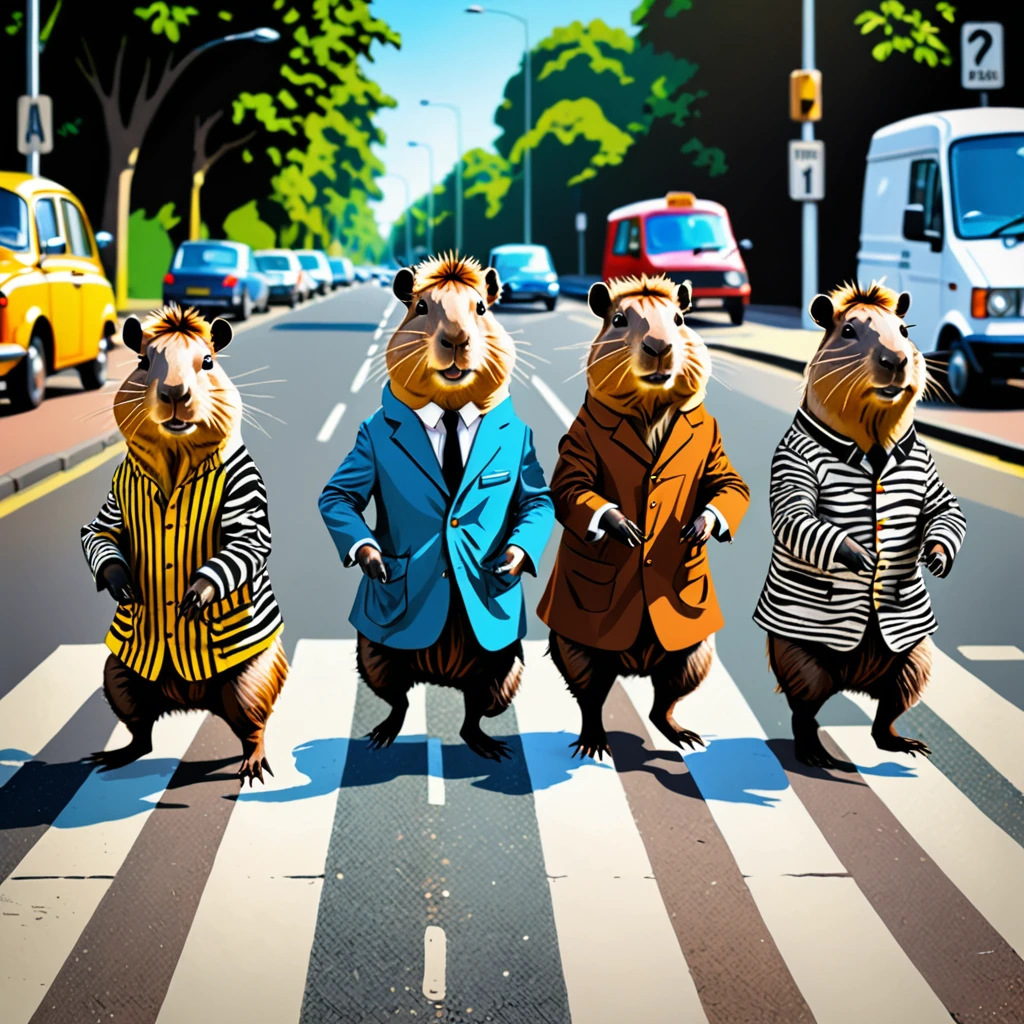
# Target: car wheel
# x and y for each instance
(245, 310)
(736, 311)
(93, 374)
(293, 299)
(26, 383)
(551, 303)
(964, 385)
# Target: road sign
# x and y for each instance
(35, 124)
(805, 95)
(981, 55)
(581, 222)
(807, 170)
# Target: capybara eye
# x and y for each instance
(480, 308)
(904, 331)
(848, 331)
(679, 319)
(207, 362)
(421, 308)
(143, 362)
(619, 320)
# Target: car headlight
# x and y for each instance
(553, 286)
(551, 277)
(1001, 302)
(733, 278)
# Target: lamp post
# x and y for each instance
(408, 214)
(32, 69)
(458, 166)
(430, 195)
(809, 284)
(527, 99)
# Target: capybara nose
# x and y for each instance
(890, 360)
(654, 347)
(174, 393)
(459, 341)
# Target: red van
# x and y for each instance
(687, 239)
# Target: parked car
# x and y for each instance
(56, 305)
(943, 218)
(527, 274)
(285, 276)
(217, 277)
(342, 272)
(687, 238)
(362, 274)
(317, 265)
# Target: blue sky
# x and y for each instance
(454, 57)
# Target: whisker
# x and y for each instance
(846, 378)
(263, 412)
(248, 373)
(838, 369)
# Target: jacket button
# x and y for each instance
(169, 565)
(654, 504)
(654, 478)
(444, 574)
(879, 489)
(170, 526)
(648, 561)
(455, 522)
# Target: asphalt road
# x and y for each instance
(519, 946)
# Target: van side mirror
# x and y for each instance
(55, 246)
(103, 239)
(746, 244)
(914, 229)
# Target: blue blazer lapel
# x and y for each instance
(487, 443)
(410, 436)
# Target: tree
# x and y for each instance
(907, 31)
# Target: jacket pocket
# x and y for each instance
(805, 585)
(590, 582)
(501, 476)
(690, 581)
(385, 603)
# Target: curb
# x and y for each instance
(987, 445)
(39, 469)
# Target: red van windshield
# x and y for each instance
(683, 232)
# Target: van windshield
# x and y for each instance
(684, 232)
(987, 176)
(13, 221)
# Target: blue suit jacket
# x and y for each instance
(503, 499)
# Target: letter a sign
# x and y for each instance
(35, 124)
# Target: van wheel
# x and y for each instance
(736, 311)
(964, 385)
(26, 383)
(93, 374)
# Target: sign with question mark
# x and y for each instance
(981, 55)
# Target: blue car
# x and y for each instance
(527, 274)
(217, 278)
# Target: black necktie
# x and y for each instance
(451, 461)
(878, 457)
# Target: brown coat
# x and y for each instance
(597, 591)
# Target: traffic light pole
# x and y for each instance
(809, 249)
(32, 68)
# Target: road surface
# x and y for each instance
(729, 885)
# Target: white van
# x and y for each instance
(943, 218)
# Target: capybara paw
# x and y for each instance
(253, 767)
(111, 759)
(902, 745)
(811, 751)
(675, 735)
(385, 734)
(486, 746)
(592, 743)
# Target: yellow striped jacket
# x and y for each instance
(215, 525)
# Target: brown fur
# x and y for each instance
(175, 344)
(842, 380)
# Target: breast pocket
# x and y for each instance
(499, 476)
(386, 603)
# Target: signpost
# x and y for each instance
(807, 170)
(35, 124)
(981, 57)
(581, 231)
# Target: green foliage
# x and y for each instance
(487, 175)
(70, 128)
(576, 40)
(14, 26)
(244, 225)
(643, 11)
(167, 18)
(225, 15)
(150, 251)
(907, 31)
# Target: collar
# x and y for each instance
(843, 448)
(431, 414)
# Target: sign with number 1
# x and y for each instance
(807, 170)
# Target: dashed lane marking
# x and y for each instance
(435, 954)
(331, 423)
(558, 407)
(361, 374)
(993, 652)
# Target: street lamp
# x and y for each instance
(458, 166)
(408, 214)
(430, 195)
(528, 91)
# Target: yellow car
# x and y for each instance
(56, 304)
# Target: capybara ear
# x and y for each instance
(684, 294)
(599, 299)
(220, 334)
(131, 334)
(822, 312)
(493, 285)
(402, 285)
(903, 304)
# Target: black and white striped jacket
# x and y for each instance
(823, 489)
(214, 525)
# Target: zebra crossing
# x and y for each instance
(720, 885)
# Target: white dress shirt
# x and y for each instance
(432, 418)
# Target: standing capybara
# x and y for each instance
(642, 482)
(181, 543)
(857, 505)
(462, 506)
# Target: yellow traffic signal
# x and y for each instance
(805, 95)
